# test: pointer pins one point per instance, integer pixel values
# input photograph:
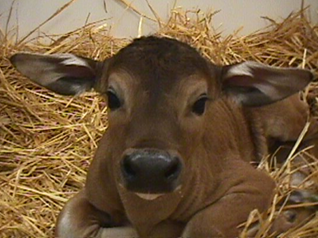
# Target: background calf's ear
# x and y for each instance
(255, 84)
(65, 74)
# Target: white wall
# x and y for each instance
(27, 14)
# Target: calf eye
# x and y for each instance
(199, 106)
(113, 101)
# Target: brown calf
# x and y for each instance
(175, 160)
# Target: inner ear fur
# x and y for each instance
(255, 84)
(66, 74)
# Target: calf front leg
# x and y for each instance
(79, 219)
(252, 191)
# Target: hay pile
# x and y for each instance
(47, 141)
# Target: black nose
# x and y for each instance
(151, 171)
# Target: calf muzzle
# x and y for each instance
(151, 171)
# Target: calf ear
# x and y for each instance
(255, 84)
(65, 74)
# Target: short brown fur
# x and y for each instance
(158, 80)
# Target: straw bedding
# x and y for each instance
(47, 141)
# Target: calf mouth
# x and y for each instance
(154, 196)
(150, 173)
(148, 196)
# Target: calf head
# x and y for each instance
(160, 96)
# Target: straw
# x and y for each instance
(47, 141)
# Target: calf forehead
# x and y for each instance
(160, 62)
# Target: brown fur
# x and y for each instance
(158, 80)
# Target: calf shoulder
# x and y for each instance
(247, 189)
(285, 120)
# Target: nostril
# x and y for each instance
(128, 169)
(150, 170)
(173, 170)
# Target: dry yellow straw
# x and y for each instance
(47, 141)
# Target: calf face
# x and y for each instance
(175, 156)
